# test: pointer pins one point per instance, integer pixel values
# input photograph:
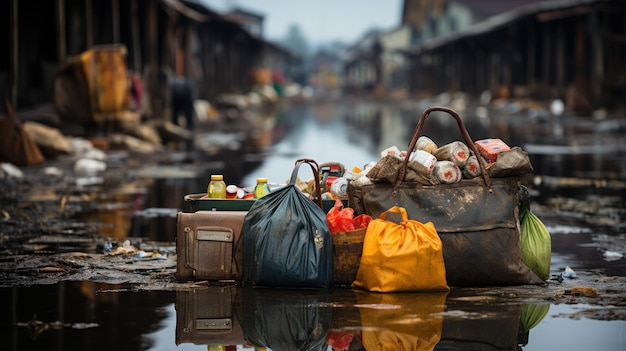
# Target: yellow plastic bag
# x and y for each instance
(405, 256)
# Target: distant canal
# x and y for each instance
(577, 187)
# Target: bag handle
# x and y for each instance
(464, 133)
(396, 209)
(316, 175)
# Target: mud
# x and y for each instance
(158, 274)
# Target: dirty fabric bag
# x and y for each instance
(286, 319)
(477, 219)
(405, 256)
(286, 240)
(513, 162)
(390, 329)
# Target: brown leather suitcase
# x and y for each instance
(209, 316)
(209, 245)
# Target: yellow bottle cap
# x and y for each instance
(217, 177)
(261, 180)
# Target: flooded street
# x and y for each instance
(578, 190)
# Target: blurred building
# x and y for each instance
(572, 50)
(159, 39)
(375, 63)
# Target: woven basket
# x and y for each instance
(348, 247)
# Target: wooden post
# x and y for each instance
(153, 65)
(15, 58)
(61, 43)
(89, 23)
(560, 59)
(546, 35)
(597, 73)
(135, 36)
(115, 15)
(530, 56)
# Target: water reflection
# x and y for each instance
(400, 321)
(90, 316)
(350, 320)
(286, 319)
(79, 316)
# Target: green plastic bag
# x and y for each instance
(536, 243)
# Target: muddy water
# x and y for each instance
(577, 190)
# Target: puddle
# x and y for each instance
(75, 315)
(87, 302)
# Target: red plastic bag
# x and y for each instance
(340, 219)
(361, 221)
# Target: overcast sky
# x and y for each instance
(320, 20)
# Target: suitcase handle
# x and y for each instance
(316, 175)
(464, 133)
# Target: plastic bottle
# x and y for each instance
(261, 188)
(217, 187)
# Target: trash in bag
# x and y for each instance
(405, 256)
(342, 219)
(536, 241)
(286, 240)
(513, 162)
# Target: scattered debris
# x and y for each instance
(612, 255)
(9, 170)
(569, 273)
(583, 291)
(37, 327)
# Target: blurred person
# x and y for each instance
(181, 89)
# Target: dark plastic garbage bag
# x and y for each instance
(286, 239)
(286, 320)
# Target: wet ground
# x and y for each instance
(64, 287)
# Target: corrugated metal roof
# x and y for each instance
(488, 8)
(503, 19)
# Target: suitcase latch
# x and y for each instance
(214, 324)
(214, 234)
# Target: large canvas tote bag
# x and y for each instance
(477, 219)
